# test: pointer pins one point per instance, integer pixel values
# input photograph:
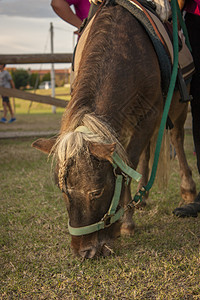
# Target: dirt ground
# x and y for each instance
(32, 123)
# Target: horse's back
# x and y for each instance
(118, 62)
(128, 53)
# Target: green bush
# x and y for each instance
(20, 78)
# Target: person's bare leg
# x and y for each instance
(4, 110)
(10, 110)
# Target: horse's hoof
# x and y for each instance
(127, 229)
(190, 210)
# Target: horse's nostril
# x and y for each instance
(88, 253)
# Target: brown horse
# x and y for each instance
(117, 97)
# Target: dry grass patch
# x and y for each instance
(34, 122)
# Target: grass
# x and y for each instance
(160, 262)
(39, 117)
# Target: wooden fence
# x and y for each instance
(35, 58)
(32, 97)
(31, 59)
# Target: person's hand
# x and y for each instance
(95, 1)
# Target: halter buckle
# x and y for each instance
(107, 220)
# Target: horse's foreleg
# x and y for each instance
(143, 169)
(127, 227)
(188, 187)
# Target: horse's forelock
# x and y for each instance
(69, 145)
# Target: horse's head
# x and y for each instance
(92, 189)
(88, 187)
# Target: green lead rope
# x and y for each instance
(175, 11)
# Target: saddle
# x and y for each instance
(160, 35)
(157, 29)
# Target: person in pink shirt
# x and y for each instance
(63, 10)
(192, 21)
(192, 7)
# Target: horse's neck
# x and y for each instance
(116, 67)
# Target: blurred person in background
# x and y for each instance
(7, 82)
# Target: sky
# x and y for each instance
(25, 29)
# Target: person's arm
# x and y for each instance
(63, 10)
(12, 84)
(9, 79)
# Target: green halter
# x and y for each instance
(112, 215)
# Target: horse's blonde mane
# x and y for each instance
(71, 143)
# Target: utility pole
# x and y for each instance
(52, 69)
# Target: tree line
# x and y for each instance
(23, 79)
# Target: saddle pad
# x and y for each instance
(185, 57)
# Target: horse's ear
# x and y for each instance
(102, 151)
(44, 145)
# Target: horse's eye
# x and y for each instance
(96, 194)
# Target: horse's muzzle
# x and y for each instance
(93, 251)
